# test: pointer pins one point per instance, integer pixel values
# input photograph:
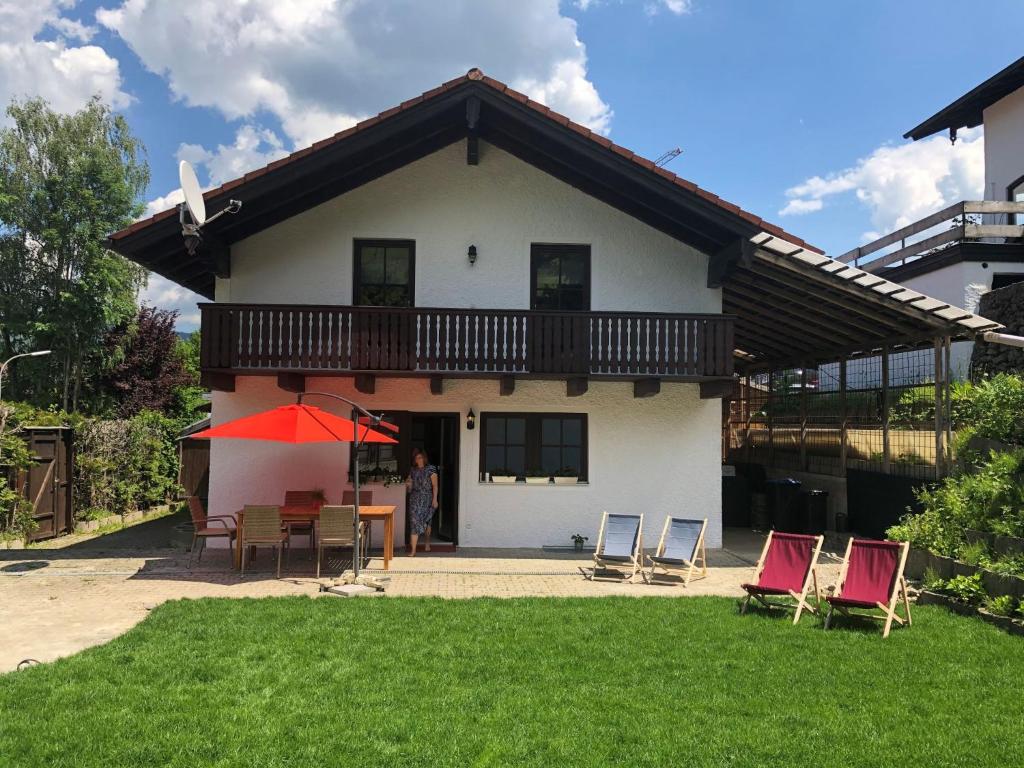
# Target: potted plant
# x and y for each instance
(503, 476)
(537, 477)
(577, 540)
(567, 476)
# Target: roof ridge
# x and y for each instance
(475, 74)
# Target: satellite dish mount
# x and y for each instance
(192, 212)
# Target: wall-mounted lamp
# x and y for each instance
(470, 420)
(471, 253)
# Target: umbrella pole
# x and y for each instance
(355, 485)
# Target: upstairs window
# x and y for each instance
(560, 277)
(384, 273)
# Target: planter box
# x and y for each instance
(1008, 545)
(538, 480)
(503, 479)
(566, 480)
(986, 538)
(943, 566)
(963, 569)
(1013, 626)
(997, 584)
(917, 562)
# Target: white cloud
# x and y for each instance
(37, 58)
(320, 65)
(651, 8)
(253, 148)
(798, 207)
(161, 292)
(901, 183)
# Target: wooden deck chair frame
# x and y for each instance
(899, 591)
(635, 563)
(811, 580)
(687, 566)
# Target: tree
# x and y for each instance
(66, 182)
(148, 367)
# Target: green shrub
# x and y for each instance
(1009, 565)
(1000, 606)
(972, 553)
(931, 580)
(966, 589)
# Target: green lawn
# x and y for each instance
(616, 681)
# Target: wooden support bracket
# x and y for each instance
(646, 387)
(507, 385)
(219, 382)
(436, 385)
(712, 389)
(291, 382)
(576, 386)
(366, 383)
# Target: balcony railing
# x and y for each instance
(269, 338)
(966, 221)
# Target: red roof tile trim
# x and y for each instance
(478, 76)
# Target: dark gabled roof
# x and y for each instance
(966, 112)
(422, 125)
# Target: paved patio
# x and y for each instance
(81, 591)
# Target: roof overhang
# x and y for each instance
(473, 106)
(795, 307)
(967, 111)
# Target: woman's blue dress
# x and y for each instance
(421, 498)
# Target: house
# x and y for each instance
(971, 247)
(520, 296)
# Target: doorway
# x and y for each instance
(438, 435)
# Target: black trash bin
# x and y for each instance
(814, 517)
(784, 504)
(735, 502)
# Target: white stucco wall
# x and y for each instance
(1004, 144)
(656, 455)
(502, 206)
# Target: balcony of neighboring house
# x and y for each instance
(970, 230)
(297, 341)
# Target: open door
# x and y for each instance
(438, 435)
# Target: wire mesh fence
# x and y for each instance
(870, 413)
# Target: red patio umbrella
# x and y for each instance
(301, 423)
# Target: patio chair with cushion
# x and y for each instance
(786, 568)
(205, 527)
(872, 578)
(311, 499)
(337, 529)
(261, 526)
(680, 548)
(619, 545)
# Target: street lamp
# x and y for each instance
(8, 361)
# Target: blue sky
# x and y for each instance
(763, 98)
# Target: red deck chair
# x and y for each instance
(786, 568)
(872, 578)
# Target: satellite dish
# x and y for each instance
(192, 192)
(194, 204)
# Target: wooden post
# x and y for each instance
(886, 457)
(949, 402)
(843, 424)
(803, 416)
(770, 403)
(939, 428)
(746, 431)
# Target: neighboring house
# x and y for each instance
(517, 294)
(971, 247)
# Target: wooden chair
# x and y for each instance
(786, 568)
(261, 526)
(314, 501)
(619, 544)
(680, 548)
(872, 578)
(337, 529)
(208, 527)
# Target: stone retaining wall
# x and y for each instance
(1006, 306)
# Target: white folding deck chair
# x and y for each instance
(619, 544)
(680, 548)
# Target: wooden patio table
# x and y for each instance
(296, 514)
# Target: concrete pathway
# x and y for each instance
(57, 600)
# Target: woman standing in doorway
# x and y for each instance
(422, 487)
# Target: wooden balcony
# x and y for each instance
(968, 221)
(307, 340)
